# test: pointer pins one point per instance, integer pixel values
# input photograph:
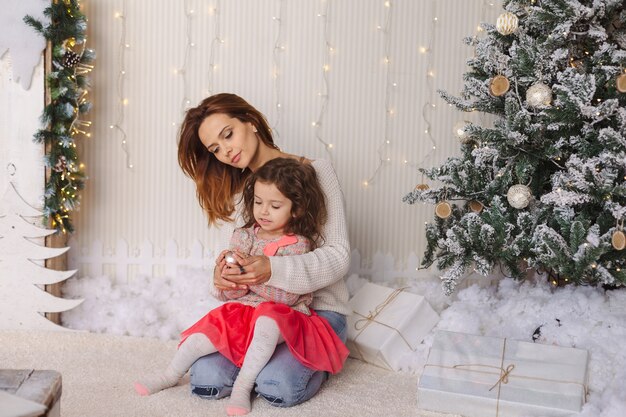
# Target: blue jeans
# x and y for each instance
(284, 382)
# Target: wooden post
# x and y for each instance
(58, 240)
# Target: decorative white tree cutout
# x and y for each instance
(21, 300)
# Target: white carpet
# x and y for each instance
(98, 371)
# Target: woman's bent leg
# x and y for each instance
(212, 376)
(285, 382)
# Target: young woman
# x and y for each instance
(222, 141)
(284, 210)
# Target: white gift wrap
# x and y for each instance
(386, 324)
(465, 374)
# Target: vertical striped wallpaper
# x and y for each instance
(154, 201)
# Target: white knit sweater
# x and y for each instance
(322, 270)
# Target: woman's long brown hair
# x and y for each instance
(298, 182)
(216, 182)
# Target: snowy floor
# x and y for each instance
(581, 317)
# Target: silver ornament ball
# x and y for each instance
(519, 196)
(229, 257)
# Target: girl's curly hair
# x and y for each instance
(298, 182)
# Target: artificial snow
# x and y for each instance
(581, 317)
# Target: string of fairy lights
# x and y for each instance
(383, 148)
(122, 100)
(324, 95)
(189, 45)
(429, 105)
(279, 48)
(386, 29)
(217, 40)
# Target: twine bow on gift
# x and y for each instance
(367, 320)
(504, 376)
(362, 324)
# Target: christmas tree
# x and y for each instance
(21, 300)
(544, 187)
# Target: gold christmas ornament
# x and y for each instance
(421, 187)
(460, 130)
(539, 95)
(443, 210)
(620, 83)
(519, 196)
(476, 206)
(507, 23)
(499, 85)
(618, 240)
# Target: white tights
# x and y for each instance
(264, 341)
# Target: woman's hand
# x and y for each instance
(253, 270)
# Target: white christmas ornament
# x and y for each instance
(507, 23)
(21, 300)
(539, 95)
(519, 196)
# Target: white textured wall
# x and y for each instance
(21, 160)
(154, 201)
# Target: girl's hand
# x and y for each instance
(221, 280)
(254, 270)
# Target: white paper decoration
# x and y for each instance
(539, 95)
(21, 299)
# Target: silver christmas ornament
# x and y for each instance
(230, 258)
(539, 95)
(519, 196)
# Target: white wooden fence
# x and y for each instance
(123, 263)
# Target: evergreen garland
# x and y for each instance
(68, 85)
(569, 152)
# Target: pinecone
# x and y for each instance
(70, 59)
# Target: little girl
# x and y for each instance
(284, 213)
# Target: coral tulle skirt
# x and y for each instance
(310, 339)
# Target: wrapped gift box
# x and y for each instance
(387, 323)
(478, 376)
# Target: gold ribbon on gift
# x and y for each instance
(363, 323)
(504, 374)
